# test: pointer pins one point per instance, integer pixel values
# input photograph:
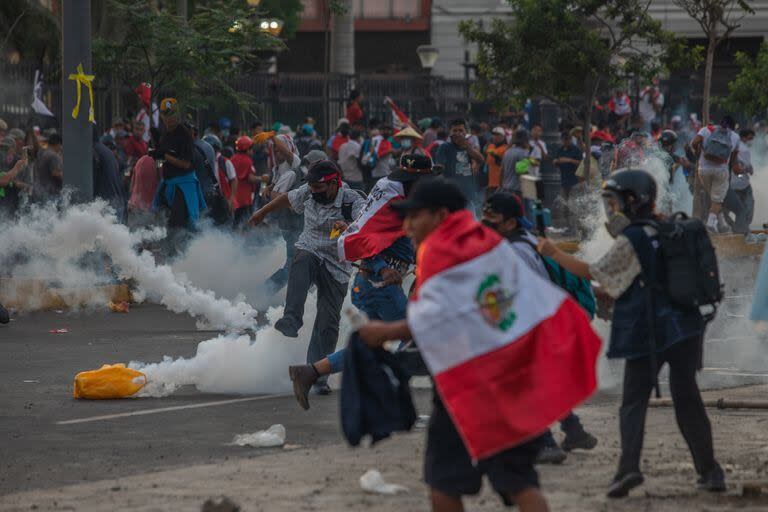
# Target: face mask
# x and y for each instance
(617, 223)
(406, 143)
(321, 198)
(490, 224)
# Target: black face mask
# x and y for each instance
(490, 224)
(322, 198)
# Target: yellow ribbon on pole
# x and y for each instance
(87, 80)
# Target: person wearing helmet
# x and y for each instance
(247, 179)
(327, 205)
(629, 197)
(668, 142)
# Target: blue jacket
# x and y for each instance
(375, 397)
(630, 327)
(193, 195)
(760, 300)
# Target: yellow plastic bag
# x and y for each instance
(109, 381)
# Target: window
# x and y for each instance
(369, 9)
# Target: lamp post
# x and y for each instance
(428, 57)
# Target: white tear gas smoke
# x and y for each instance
(226, 265)
(672, 195)
(53, 239)
(238, 364)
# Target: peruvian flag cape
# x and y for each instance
(510, 353)
(378, 225)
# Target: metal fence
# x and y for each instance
(284, 97)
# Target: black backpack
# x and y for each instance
(204, 172)
(689, 275)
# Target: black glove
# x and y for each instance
(156, 153)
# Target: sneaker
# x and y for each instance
(751, 239)
(621, 485)
(551, 455)
(582, 440)
(322, 389)
(714, 481)
(287, 328)
(722, 225)
(303, 378)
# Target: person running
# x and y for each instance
(629, 197)
(325, 203)
(377, 239)
(468, 314)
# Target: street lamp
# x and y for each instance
(428, 55)
(273, 26)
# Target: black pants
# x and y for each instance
(683, 359)
(306, 270)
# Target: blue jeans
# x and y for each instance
(280, 278)
(388, 304)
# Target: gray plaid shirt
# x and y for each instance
(318, 224)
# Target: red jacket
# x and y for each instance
(245, 189)
(134, 147)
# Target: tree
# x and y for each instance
(193, 59)
(30, 29)
(747, 92)
(568, 50)
(718, 20)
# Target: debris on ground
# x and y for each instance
(225, 505)
(273, 436)
(118, 307)
(372, 482)
(62, 330)
(108, 382)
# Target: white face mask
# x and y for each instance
(406, 143)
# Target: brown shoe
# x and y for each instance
(303, 377)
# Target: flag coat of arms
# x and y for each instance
(510, 353)
(378, 225)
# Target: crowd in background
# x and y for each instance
(240, 168)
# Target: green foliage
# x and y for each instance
(194, 59)
(565, 49)
(747, 93)
(28, 27)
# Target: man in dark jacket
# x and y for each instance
(629, 196)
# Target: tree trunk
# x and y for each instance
(182, 9)
(343, 40)
(708, 79)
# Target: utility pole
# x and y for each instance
(77, 134)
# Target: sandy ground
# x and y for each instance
(298, 478)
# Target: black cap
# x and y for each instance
(434, 193)
(322, 171)
(508, 204)
(412, 167)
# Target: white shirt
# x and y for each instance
(350, 168)
(708, 165)
(538, 151)
(648, 106)
(283, 175)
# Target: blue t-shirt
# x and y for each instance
(568, 177)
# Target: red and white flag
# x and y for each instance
(378, 225)
(510, 352)
(399, 118)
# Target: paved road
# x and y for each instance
(36, 452)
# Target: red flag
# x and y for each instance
(378, 225)
(509, 351)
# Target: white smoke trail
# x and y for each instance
(58, 239)
(238, 364)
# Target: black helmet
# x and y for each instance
(638, 184)
(668, 138)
